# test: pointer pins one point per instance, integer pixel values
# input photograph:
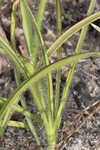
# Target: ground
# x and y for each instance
(84, 90)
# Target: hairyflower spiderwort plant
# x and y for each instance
(37, 73)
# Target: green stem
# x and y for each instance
(51, 134)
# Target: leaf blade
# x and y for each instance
(27, 26)
(14, 97)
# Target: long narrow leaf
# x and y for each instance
(28, 34)
(71, 31)
(71, 72)
(36, 38)
(17, 124)
(14, 97)
(13, 24)
(50, 92)
(27, 26)
(17, 59)
(58, 75)
(23, 111)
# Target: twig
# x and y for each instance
(84, 121)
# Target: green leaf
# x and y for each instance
(66, 35)
(27, 83)
(36, 38)
(27, 26)
(17, 124)
(15, 57)
(50, 89)
(58, 75)
(23, 111)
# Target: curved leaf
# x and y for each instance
(17, 59)
(71, 31)
(65, 61)
(23, 111)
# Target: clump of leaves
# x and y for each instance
(37, 73)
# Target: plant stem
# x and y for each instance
(51, 134)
